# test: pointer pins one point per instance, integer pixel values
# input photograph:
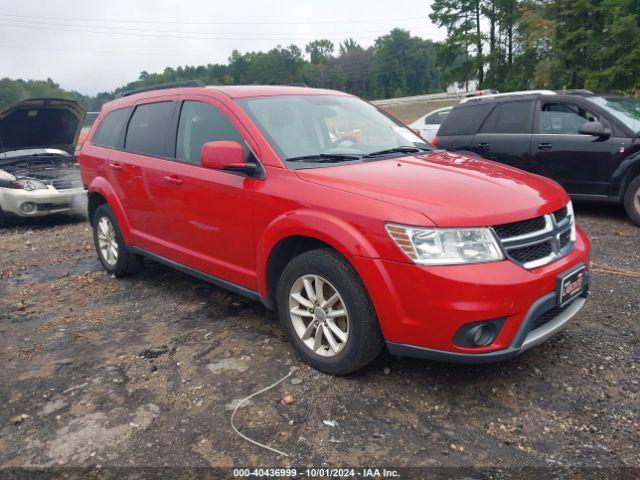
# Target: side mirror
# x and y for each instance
(227, 156)
(416, 131)
(596, 129)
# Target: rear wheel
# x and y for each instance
(326, 313)
(632, 201)
(110, 246)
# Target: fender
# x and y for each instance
(333, 231)
(104, 188)
(620, 178)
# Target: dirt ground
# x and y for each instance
(146, 372)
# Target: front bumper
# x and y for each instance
(525, 339)
(421, 308)
(47, 201)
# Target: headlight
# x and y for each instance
(29, 184)
(444, 246)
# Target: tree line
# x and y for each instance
(556, 44)
(398, 64)
(502, 44)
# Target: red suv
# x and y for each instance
(337, 215)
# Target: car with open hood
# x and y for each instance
(357, 231)
(39, 174)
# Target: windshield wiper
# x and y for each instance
(405, 149)
(325, 157)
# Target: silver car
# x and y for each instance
(39, 175)
(429, 124)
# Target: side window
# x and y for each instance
(201, 123)
(510, 117)
(465, 119)
(149, 128)
(109, 132)
(564, 118)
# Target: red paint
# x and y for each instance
(221, 155)
(226, 224)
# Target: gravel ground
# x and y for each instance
(146, 371)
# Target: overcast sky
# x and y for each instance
(97, 45)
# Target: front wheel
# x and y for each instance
(632, 201)
(110, 246)
(326, 313)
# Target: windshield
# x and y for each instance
(329, 128)
(625, 109)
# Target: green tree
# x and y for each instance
(403, 65)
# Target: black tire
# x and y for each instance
(126, 262)
(632, 200)
(3, 219)
(364, 341)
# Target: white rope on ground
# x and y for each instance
(244, 400)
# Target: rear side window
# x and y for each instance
(510, 117)
(149, 129)
(109, 132)
(201, 123)
(465, 120)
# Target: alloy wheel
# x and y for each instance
(107, 241)
(319, 315)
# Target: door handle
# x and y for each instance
(544, 146)
(116, 166)
(173, 180)
(484, 146)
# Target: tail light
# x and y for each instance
(434, 142)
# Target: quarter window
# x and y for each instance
(109, 132)
(201, 123)
(149, 129)
(510, 117)
(465, 119)
(564, 118)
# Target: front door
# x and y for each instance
(582, 164)
(210, 214)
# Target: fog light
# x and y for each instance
(482, 335)
(479, 334)
(28, 207)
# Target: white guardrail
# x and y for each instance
(430, 98)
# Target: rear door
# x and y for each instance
(147, 145)
(505, 136)
(459, 127)
(582, 164)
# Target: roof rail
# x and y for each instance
(574, 91)
(508, 94)
(161, 86)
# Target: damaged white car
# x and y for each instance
(39, 175)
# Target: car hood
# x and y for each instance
(448, 188)
(40, 123)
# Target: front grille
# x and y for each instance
(66, 184)
(547, 316)
(537, 241)
(532, 253)
(561, 214)
(520, 228)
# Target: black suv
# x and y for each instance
(586, 142)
